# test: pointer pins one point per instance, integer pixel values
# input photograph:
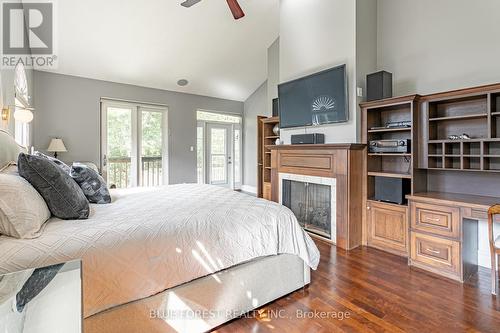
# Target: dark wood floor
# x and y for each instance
(380, 293)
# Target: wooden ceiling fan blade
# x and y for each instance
(235, 9)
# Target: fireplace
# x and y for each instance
(313, 201)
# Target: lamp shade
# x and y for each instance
(57, 146)
(23, 115)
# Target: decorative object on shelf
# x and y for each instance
(276, 129)
(278, 142)
(57, 146)
(464, 136)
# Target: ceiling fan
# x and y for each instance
(234, 6)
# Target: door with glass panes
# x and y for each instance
(134, 144)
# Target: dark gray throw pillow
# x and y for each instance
(59, 163)
(62, 194)
(92, 184)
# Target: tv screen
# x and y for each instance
(316, 99)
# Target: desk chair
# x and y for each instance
(494, 247)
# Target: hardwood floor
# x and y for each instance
(378, 292)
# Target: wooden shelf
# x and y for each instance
(467, 116)
(466, 141)
(390, 175)
(371, 200)
(272, 137)
(495, 113)
(382, 130)
(390, 154)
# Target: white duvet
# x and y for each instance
(149, 240)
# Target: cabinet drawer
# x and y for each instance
(439, 220)
(436, 253)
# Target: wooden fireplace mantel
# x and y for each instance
(344, 162)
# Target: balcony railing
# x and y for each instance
(119, 172)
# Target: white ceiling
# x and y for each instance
(154, 43)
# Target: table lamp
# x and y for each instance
(57, 146)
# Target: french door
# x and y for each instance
(134, 144)
(220, 154)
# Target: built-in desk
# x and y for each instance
(444, 232)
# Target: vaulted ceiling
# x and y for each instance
(155, 43)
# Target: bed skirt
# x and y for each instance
(208, 302)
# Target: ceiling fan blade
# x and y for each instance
(235, 9)
(189, 3)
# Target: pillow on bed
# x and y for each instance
(61, 193)
(22, 210)
(59, 163)
(92, 184)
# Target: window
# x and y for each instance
(21, 129)
(218, 117)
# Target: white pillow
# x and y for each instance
(22, 209)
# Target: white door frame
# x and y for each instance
(136, 123)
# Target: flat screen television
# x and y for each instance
(316, 99)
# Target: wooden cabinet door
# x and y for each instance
(388, 227)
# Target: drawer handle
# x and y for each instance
(433, 219)
(433, 251)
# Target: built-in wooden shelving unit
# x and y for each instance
(476, 114)
(267, 139)
(378, 114)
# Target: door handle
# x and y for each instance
(104, 160)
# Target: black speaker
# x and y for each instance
(392, 189)
(276, 107)
(378, 86)
(311, 139)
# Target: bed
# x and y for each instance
(175, 258)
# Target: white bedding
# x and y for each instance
(149, 240)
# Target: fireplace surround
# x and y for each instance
(338, 165)
(313, 201)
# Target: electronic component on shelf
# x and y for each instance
(398, 124)
(390, 146)
(393, 124)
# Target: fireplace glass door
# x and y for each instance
(312, 205)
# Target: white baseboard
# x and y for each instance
(249, 189)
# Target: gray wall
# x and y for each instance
(255, 105)
(273, 73)
(316, 35)
(68, 107)
(366, 48)
(433, 46)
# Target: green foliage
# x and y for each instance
(120, 133)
